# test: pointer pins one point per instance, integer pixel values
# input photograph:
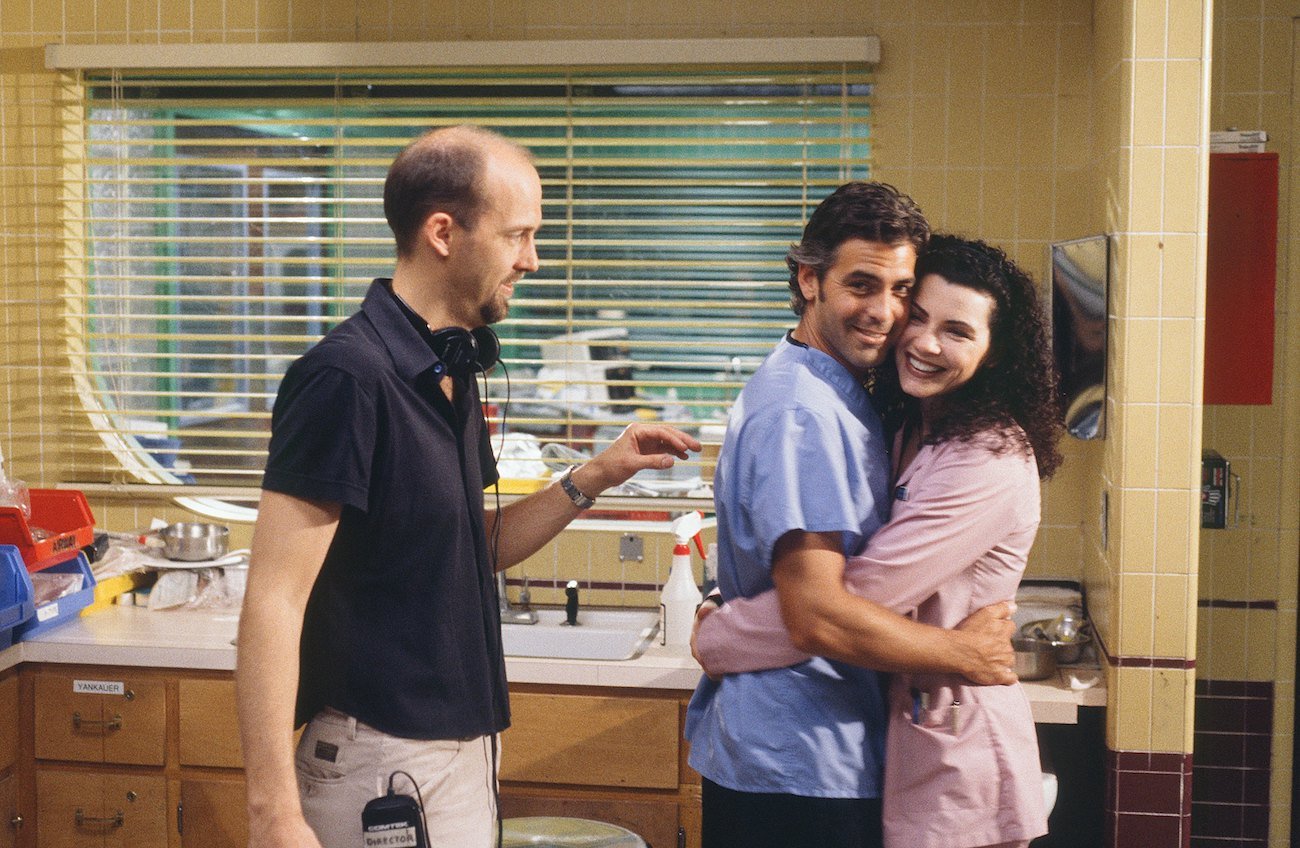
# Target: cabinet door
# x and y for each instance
(109, 718)
(69, 809)
(209, 727)
(656, 821)
(143, 803)
(9, 820)
(9, 728)
(213, 814)
(591, 741)
(104, 810)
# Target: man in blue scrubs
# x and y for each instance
(792, 757)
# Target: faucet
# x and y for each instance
(522, 614)
(571, 604)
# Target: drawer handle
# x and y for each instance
(84, 820)
(114, 723)
(16, 822)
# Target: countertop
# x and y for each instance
(202, 640)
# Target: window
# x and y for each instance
(223, 221)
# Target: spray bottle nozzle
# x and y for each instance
(686, 527)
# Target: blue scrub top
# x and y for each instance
(804, 450)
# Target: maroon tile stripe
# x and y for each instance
(1181, 663)
(1220, 603)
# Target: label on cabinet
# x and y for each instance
(98, 687)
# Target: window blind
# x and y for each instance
(217, 224)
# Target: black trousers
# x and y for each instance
(760, 820)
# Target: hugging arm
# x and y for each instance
(820, 605)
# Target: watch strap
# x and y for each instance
(580, 500)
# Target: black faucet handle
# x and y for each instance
(571, 603)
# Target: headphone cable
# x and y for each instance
(419, 798)
(496, 459)
(496, 561)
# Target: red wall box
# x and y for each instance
(1240, 278)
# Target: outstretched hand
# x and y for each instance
(638, 447)
(987, 637)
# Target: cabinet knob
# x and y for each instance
(83, 820)
(16, 822)
(114, 723)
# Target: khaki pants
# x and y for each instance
(343, 764)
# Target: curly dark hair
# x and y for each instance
(872, 211)
(1018, 382)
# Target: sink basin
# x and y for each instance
(601, 634)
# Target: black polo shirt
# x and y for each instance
(402, 629)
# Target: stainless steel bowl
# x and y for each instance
(194, 542)
(1067, 633)
(1035, 658)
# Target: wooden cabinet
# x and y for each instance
(105, 718)
(144, 758)
(150, 758)
(8, 729)
(102, 809)
(11, 816)
(610, 755)
(592, 740)
(209, 724)
(211, 812)
(11, 820)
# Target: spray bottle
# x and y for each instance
(681, 597)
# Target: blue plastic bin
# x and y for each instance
(52, 614)
(16, 605)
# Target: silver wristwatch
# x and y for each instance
(580, 500)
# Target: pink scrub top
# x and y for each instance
(961, 761)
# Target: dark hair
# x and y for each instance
(864, 210)
(441, 171)
(1017, 385)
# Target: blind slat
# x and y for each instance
(219, 223)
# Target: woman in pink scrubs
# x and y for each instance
(972, 399)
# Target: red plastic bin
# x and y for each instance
(64, 513)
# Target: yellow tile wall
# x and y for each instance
(1150, 708)
(1152, 82)
(1252, 79)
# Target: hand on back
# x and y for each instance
(987, 636)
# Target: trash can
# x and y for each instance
(561, 832)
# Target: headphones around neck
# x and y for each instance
(465, 352)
